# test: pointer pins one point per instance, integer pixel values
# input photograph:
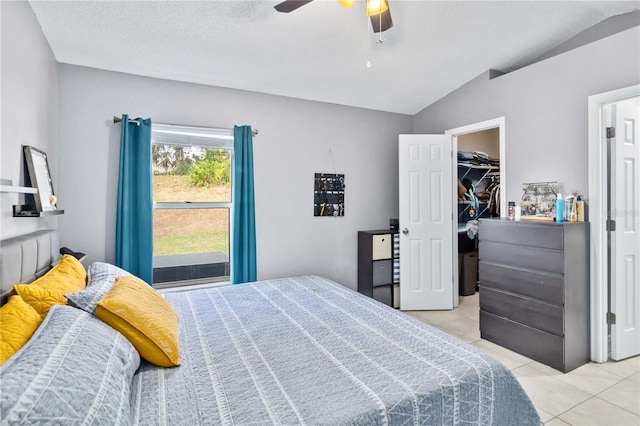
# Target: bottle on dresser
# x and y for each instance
(559, 208)
(580, 209)
(570, 213)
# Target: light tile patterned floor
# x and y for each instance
(594, 394)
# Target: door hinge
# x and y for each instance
(611, 318)
(611, 225)
(611, 132)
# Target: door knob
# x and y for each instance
(405, 231)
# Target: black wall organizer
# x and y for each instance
(328, 195)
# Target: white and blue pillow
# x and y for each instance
(100, 278)
(74, 370)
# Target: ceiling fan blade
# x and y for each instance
(290, 5)
(382, 21)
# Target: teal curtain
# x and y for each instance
(243, 232)
(134, 212)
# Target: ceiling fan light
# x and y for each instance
(346, 3)
(376, 7)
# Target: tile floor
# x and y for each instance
(594, 394)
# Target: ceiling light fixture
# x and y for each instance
(376, 7)
(377, 10)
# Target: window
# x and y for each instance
(191, 204)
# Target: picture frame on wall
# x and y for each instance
(40, 178)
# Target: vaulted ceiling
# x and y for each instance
(320, 51)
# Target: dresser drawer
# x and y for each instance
(539, 285)
(384, 294)
(522, 233)
(381, 246)
(526, 311)
(522, 256)
(536, 344)
(382, 272)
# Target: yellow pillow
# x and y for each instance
(67, 276)
(18, 322)
(144, 317)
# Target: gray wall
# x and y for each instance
(294, 140)
(29, 107)
(545, 109)
(545, 106)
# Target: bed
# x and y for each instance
(297, 350)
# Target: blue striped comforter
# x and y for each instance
(305, 350)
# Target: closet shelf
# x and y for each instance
(464, 203)
(488, 169)
(478, 166)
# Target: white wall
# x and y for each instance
(28, 100)
(293, 143)
(545, 109)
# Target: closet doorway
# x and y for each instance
(480, 181)
(428, 177)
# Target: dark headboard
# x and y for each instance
(26, 257)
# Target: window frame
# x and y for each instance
(200, 137)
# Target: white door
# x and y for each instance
(625, 240)
(426, 222)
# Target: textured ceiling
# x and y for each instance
(320, 51)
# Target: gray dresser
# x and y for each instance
(534, 289)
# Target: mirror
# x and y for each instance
(40, 178)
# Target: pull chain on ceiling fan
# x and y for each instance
(380, 39)
(377, 10)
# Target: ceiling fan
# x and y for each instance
(377, 10)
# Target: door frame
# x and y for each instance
(598, 215)
(454, 133)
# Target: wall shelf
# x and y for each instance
(29, 210)
(25, 210)
(18, 189)
(6, 185)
